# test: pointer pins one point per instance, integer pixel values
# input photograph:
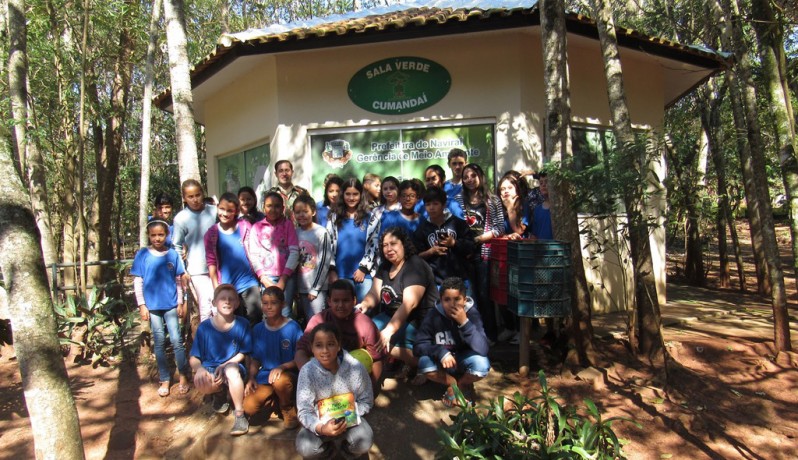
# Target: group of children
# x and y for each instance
(248, 267)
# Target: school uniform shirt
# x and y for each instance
(354, 246)
(439, 335)
(213, 347)
(397, 219)
(541, 224)
(272, 347)
(452, 190)
(322, 213)
(158, 271)
(414, 272)
(526, 221)
(226, 252)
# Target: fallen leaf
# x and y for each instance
(666, 456)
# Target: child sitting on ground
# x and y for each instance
(451, 343)
(272, 371)
(220, 346)
(333, 373)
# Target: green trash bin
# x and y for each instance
(539, 278)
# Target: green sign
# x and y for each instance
(399, 85)
(402, 153)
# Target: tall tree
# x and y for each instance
(757, 194)
(146, 120)
(649, 320)
(182, 98)
(558, 146)
(111, 147)
(27, 149)
(53, 416)
(771, 50)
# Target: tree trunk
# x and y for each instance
(753, 210)
(53, 416)
(107, 162)
(558, 146)
(29, 156)
(771, 48)
(733, 36)
(649, 320)
(182, 98)
(738, 253)
(710, 123)
(146, 121)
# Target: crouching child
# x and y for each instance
(217, 356)
(272, 371)
(451, 343)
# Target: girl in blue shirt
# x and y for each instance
(159, 294)
(354, 231)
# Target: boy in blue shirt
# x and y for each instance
(272, 370)
(219, 349)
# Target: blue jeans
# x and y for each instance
(361, 289)
(290, 292)
(405, 337)
(468, 362)
(159, 318)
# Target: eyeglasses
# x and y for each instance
(409, 196)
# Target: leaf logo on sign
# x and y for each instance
(399, 85)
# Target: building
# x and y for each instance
(391, 90)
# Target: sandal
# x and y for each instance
(450, 400)
(183, 389)
(163, 391)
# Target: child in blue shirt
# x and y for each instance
(227, 260)
(272, 371)
(219, 349)
(159, 294)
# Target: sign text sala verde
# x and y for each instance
(399, 85)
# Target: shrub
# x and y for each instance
(95, 323)
(529, 428)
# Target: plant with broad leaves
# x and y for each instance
(529, 428)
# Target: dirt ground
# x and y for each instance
(727, 396)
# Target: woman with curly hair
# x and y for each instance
(403, 292)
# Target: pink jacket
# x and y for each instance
(272, 249)
(212, 238)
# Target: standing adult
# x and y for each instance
(284, 170)
(457, 160)
(190, 227)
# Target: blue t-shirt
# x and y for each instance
(452, 190)
(541, 224)
(273, 347)
(351, 246)
(159, 273)
(526, 218)
(322, 213)
(452, 205)
(233, 263)
(213, 347)
(395, 219)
